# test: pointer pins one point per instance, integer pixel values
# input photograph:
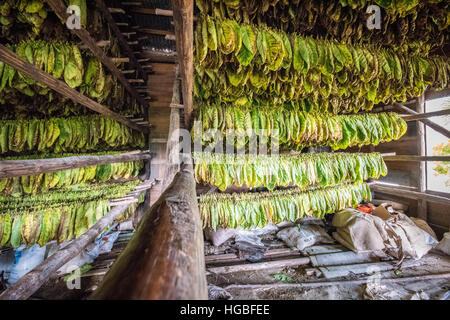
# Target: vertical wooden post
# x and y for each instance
(421, 149)
(183, 17)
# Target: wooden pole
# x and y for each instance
(9, 57)
(32, 281)
(427, 122)
(422, 151)
(60, 9)
(165, 258)
(17, 168)
(183, 17)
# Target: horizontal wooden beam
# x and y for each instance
(400, 192)
(60, 9)
(17, 168)
(416, 158)
(156, 31)
(12, 59)
(33, 280)
(156, 12)
(427, 122)
(426, 115)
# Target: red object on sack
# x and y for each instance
(365, 209)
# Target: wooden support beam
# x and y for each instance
(410, 194)
(422, 151)
(33, 280)
(9, 57)
(427, 122)
(426, 115)
(18, 168)
(416, 158)
(166, 250)
(183, 16)
(60, 9)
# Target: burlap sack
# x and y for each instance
(397, 236)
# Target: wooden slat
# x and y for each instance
(9, 57)
(410, 194)
(122, 41)
(183, 17)
(60, 9)
(33, 280)
(157, 12)
(17, 168)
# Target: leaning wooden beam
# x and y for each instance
(427, 122)
(32, 281)
(398, 191)
(166, 251)
(9, 57)
(60, 9)
(17, 168)
(416, 158)
(122, 41)
(426, 115)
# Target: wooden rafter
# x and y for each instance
(17, 168)
(60, 9)
(122, 41)
(183, 17)
(12, 59)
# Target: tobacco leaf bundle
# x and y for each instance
(295, 129)
(34, 184)
(63, 60)
(244, 63)
(401, 21)
(249, 210)
(302, 170)
(76, 134)
(60, 216)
